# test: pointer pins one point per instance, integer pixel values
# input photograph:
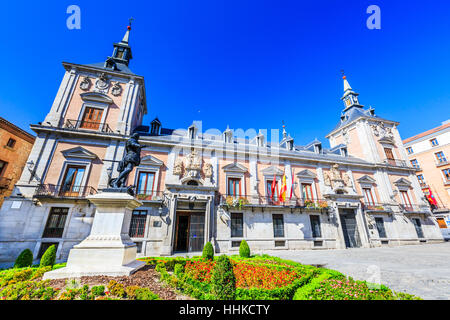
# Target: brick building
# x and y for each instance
(15, 146)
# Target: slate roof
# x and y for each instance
(120, 67)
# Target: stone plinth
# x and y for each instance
(108, 250)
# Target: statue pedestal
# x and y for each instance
(108, 250)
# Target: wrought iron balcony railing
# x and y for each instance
(87, 125)
(414, 208)
(376, 207)
(241, 201)
(150, 195)
(396, 162)
(5, 182)
(57, 191)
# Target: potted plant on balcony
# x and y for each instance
(323, 205)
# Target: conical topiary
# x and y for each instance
(25, 259)
(208, 251)
(244, 249)
(49, 257)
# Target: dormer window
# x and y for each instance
(317, 148)
(192, 132)
(344, 152)
(155, 128)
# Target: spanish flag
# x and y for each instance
(283, 189)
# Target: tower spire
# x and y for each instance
(350, 97)
(122, 51)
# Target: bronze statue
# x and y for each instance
(131, 158)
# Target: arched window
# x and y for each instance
(192, 183)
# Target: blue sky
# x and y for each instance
(248, 64)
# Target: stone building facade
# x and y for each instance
(15, 145)
(213, 186)
(429, 153)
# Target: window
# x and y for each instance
(388, 152)
(237, 225)
(307, 191)
(234, 187)
(446, 173)
(146, 181)
(72, 181)
(405, 198)
(368, 197)
(409, 150)
(2, 167)
(11, 142)
(278, 225)
(380, 227)
(315, 226)
(415, 164)
(137, 224)
(91, 118)
(440, 157)
(441, 223)
(421, 180)
(55, 223)
(434, 142)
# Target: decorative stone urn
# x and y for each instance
(108, 250)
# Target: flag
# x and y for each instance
(272, 189)
(292, 184)
(283, 188)
(431, 198)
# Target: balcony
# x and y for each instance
(57, 191)
(376, 207)
(238, 202)
(396, 163)
(414, 208)
(150, 196)
(87, 125)
(5, 182)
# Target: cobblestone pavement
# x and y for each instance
(422, 270)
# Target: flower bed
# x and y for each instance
(271, 278)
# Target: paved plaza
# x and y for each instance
(423, 270)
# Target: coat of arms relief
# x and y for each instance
(382, 131)
(336, 180)
(191, 165)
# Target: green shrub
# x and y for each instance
(25, 259)
(49, 257)
(145, 294)
(178, 270)
(244, 249)
(22, 275)
(208, 251)
(223, 280)
(116, 289)
(98, 290)
(40, 272)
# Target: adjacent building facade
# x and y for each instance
(15, 146)
(429, 153)
(219, 186)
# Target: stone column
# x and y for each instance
(108, 250)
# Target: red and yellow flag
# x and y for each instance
(283, 189)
